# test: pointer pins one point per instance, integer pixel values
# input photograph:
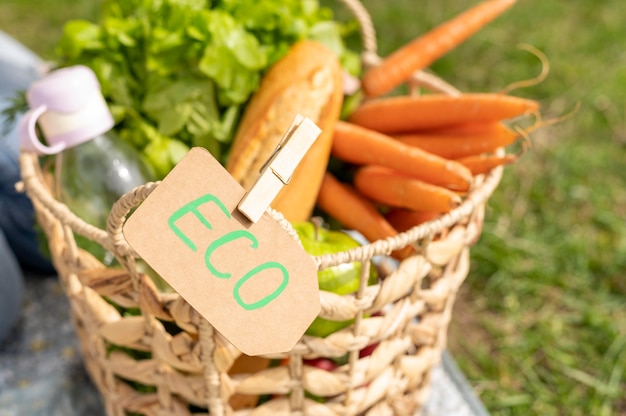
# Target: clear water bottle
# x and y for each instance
(92, 176)
(93, 167)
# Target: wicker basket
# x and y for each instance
(164, 359)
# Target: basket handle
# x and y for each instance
(369, 56)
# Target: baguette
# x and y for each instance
(306, 81)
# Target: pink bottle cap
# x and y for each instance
(68, 107)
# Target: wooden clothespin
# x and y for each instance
(279, 168)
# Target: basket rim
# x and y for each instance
(113, 239)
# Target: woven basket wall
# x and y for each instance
(164, 359)
(151, 353)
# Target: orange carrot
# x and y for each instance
(354, 211)
(484, 163)
(362, 146)
(457, 146)
(407, 114)
(421, 52)
(403, 219)
(395, 189)
(471, 129)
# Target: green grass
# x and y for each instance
(39, 23)
(540, 327)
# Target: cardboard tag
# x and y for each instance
(251, 281)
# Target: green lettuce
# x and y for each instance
(178, 73)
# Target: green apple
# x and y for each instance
(341, 279)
